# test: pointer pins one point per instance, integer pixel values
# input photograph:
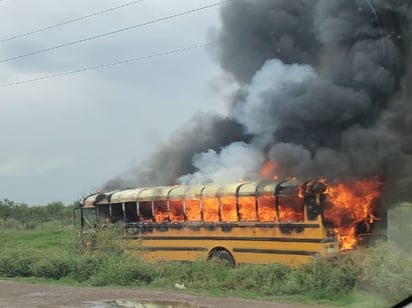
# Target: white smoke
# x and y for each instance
(236, 161)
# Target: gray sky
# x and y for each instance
(63, 137)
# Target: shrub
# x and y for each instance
(12, 223)
(85, 266)
(52, 267)
(16, 263)
(322, 278)
(386, 270)
(123, 271)
(106, 241)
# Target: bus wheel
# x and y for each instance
(222, 256)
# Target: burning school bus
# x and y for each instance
(243, 222)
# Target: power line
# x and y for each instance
(92, 68)
(115, 31)
(68, 21)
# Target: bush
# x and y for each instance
(386, 270)
(322, 279)
(106, 241)
(123, 271)
(52, 267)
(84, 267)
(382, 269)
(12, 223)
(17, 264)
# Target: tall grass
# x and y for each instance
(382, 269)
(385, 270)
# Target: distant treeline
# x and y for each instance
(23, 213)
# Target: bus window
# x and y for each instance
(161, 212)
(176, 210)
(131, 211)
(247, 208)
(88, 218)
(228, 210)
(210, 209)
(103, 213)
(145, 211)
(193, 209)
(266, 207)
(116, 212)
(291, 208)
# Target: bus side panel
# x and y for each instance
(248, 243)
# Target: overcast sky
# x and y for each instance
(62, 138)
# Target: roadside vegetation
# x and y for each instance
(20, 216)
(377, 276)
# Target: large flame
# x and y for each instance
(351, 204)
(349, 208)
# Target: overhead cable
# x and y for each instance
(115, 31)
(68, 21)
(106, 65)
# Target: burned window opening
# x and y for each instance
(266, 207)
(161, 210)
(131, 212)
(177, 212)
(145, 211)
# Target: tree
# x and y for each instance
(6, 209)
(55, 209)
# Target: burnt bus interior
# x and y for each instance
(284, 201)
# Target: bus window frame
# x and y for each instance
(84, 219)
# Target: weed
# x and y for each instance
(382, 269)
(123, 271)
(385, 270)
(53, 267)
(14, 263)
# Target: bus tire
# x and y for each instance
(223, 256)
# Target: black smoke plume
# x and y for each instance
(324, 90)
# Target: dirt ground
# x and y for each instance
(21, 294)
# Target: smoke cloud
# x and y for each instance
(235, 161)
(174, 158)
(325, 90)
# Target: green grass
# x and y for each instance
(54, 256)
(362, 299)
(44, 240)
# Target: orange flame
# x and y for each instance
(349, 209)
(266, 210)
(247, 208)
(193, 209)
(228, 210)
(210, 210)
(291, 208)
(176, 210)
(160, 211)
(268, 170)
(349, 205)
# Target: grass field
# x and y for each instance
(54, 242)
(350, 282)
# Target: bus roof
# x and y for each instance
(244, 188)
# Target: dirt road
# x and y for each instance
(20, 294)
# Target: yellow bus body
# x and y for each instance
(247, 242)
